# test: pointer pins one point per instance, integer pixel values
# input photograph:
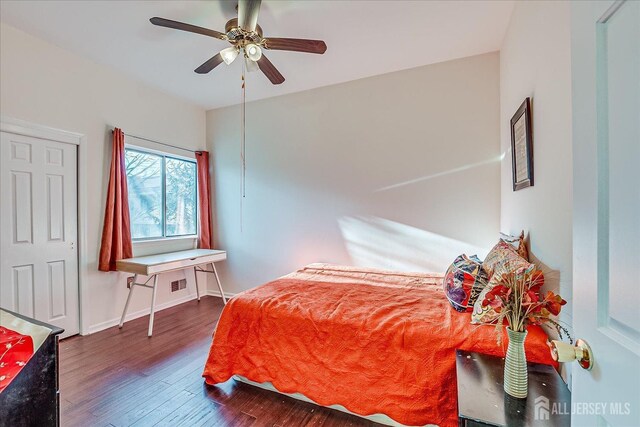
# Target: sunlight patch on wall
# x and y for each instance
(443, 173)
(382, 243)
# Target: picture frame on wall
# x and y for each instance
(522, 147)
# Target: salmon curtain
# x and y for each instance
(205, 240)
(116, 232)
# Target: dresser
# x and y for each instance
(33, 397)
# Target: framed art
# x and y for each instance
(522, 147)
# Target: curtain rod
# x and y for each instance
(158, 142)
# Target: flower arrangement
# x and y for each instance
(518, 300)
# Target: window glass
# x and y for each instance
(181, 210)
(144, 182)
(162, 195)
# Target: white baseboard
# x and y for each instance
(144, 312)
(140, 313)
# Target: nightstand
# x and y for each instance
(483, 402)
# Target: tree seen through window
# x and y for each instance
(162, 195)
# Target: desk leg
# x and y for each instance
(213, 266)
(126, 304)
(153, 304)
(195, 275)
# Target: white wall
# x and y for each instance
(535, 61)
(397, 171)
(46, 85)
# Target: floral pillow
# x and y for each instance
(463, 282)
(502, 253)
(518, 243)
(509, 262)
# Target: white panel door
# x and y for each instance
(38, 230)
(606, 179)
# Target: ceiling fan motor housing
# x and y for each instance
(239, 37)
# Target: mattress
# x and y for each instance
(371, 341)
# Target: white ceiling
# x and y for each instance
(364, 38)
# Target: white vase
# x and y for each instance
(515, 366)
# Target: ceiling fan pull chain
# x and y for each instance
(242, 146)
(244, 130)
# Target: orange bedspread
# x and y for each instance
(369, 340)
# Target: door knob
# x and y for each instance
(563, 352)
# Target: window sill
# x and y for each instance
(167, 244)
(161, 240)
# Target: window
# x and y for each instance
(162, 195)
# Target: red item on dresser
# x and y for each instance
(15, 351)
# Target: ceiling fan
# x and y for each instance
(245, 35)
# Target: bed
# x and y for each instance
(373, 342)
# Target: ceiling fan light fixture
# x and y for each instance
(229, 54)
(253, 51)
(251, 65)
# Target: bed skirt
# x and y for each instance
(376, 418)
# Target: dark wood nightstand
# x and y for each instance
(483, 402)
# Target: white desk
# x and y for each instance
(154, 265)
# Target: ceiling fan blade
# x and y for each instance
(209, 65)
(248, 11)
(162, 22)
(270, 71)
(296, 45)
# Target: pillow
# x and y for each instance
(502, 252)
(504, 260)
(463, 282)
(518, 243)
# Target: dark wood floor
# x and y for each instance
(119, 377)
